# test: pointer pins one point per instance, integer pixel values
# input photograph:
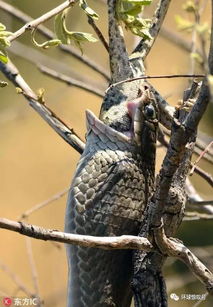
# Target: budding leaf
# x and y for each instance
(83, 4)
(128, 11)
(184, 24)
(40, 95)
(3, 83)
(197, 57)
(19, 90)
(4, 43)
(3, 56)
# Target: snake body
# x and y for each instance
(108, 196)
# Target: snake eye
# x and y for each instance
(149, 112)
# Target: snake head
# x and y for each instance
(143, 112)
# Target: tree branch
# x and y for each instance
(55, 197)
(177, 39)
(176, 249)
(70, 81)
(168, 246)
(12, 73)
(37, 232)
(50, 35)
(119, 60)
(98, 32)
(145, 46)
(36, 22)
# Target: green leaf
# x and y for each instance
(4, 42)
(83, 4)
(197, 57)
(128, 11)
(2, 27)
(202, 29)
(47, 44)
(67, 36)
(3, 56)
(60, 28)
(184, 24)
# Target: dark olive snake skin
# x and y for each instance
(107, 198)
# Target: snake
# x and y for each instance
(109, 192)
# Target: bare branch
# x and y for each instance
(50, 35)
(15, 278)
(200, 157)
(192, 201)
(200, 145)
(122, 242)
(98, 32)
(39, 206)
(119, 59)
(32, 266)
(174, 248)
(177, 39)
(11, 72)
(70, 81)
(206, 176)
(167, 246)
(193, 196)
(36, 22)
(195, 216)
(156, 77)
(144, 46)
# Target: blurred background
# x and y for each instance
(35, 163)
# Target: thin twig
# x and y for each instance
(98, 32)
(50, 35)
(193, 196)
(39, 206)
(119, 59)
(177, 39)
(15, 278)
(192, 201)
(196, 216)
(206, 176)
(155, 77)
(12, 73)
(145, 46)
(174, 248)
(70, 81)
(36, 22)
(200, 157)
(32, 266)
(37, 57)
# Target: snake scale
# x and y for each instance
(108, 195)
